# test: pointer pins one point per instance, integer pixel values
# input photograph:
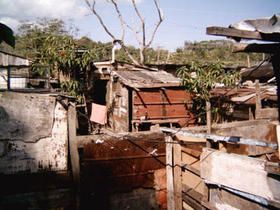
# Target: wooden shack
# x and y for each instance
(138, 98)
(14, 71)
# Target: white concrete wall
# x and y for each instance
(48, 154)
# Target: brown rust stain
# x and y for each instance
(104, 171)
(163, 104)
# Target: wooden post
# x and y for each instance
(208, 116)
(8, 78)
(258, 100)
(169, 174)
(248, 61)
(276, 69)
(251, 116)
(177, 176)
(74, 155)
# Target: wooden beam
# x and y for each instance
(194, 196)
(258, 99)
(191, 152)
(169, 174)
(189, 139)
(231, 32)
(241, 34)
(191, 169)
(74, 155)
(208, 117)
(276, 68)
(177, 156)
(238, 172)
(258, 48)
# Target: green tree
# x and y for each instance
(199, 80)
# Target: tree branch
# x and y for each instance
(136, 35)
(157, 25)
(142, 22)
(120, 17)
(127, 52)
(99, 18)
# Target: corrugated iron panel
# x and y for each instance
(167, 104)
(120, 165)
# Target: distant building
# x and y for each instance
(14, 71)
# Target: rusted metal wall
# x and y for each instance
(163, 104)
(111, 168)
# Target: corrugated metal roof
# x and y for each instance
(258, 72)
(245, 95)
(7, 59)
(147, 79)
(266, 25)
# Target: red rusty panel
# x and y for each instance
(161, 96)
(162, 104)
(160, 111)
(121, 165)
(111, 149)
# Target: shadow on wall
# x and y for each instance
(33, 152)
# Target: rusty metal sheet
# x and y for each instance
(167, 104)
(121, 165)
(158, 96)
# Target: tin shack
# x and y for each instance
(138, 98)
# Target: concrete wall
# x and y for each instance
(33, 133)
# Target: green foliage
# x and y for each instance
(200, 80)
(72, 88)
(212, 51)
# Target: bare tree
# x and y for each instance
(143, 44)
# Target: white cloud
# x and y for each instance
(13, 11)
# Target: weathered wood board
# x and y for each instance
(239, 172)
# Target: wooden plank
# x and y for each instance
(74, 155)
(272, 168)
(177, 176)
(223, 199)
(196, 196)
(235, 33)
(268, 113)
(191, 152)
(260, 48)
(169, 174)
(191, 169)
(236, 172)
(278, 137)
(189, 139)
(208, 116)
(193, 203)
(276, 68)
(258, 99)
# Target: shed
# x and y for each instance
(140, 97)
(14, 71)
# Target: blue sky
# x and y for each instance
(184, 20)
